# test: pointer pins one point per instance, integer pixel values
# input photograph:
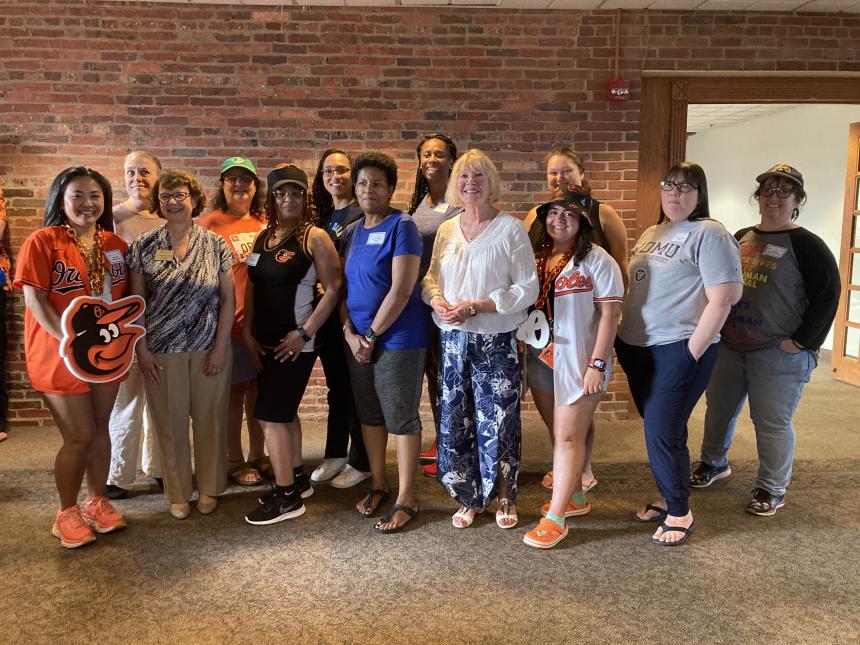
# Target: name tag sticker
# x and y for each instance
(376, 239)
(441, 207)
(252, 259)
(114, 256)
(164, 255)
(774, 251)
(680, 237)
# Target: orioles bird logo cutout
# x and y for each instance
(99, 337)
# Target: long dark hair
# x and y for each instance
(694, 174)
(321, 198)
(307, 220)
(421, 185)
(55, 214)
(582, 244)
(258, 201)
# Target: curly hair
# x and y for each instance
(421, 185)
(378, 160)
(55, 214)
(321, 198)
(258, 201)
(177, 177)
(307, 220)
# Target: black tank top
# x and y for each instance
(284, 282)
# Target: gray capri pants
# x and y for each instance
(387, 390)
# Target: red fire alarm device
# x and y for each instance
(619, 90)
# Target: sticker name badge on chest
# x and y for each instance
(99, 337)
(680, 238)
(375, 239)
(164, 255)
(252, 259)
(114, 257)
(771, 250)
(441, 207)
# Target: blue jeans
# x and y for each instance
(666, 383)
(773, 380)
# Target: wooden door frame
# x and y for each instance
(843, 368)
(663, 115)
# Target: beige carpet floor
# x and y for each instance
(328, 578)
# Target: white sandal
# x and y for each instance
(503, 513)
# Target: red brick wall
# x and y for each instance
(86, 83)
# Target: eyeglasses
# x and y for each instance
(781, 192)
(339, 171)
(295, 195)
(682, 186)
(165, 198)
(239, 179)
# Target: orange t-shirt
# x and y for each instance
(50, 261)
(4, 256)
(240, 233)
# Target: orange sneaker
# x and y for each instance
(571, 510)
(546, 534)
(71, 528)
(102, 516)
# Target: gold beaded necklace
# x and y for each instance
(94, 258)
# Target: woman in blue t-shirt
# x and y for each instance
(385, 326)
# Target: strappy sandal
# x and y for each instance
(410, 515)
(661, 514)
(240, 471)
(368, 508)
(503, 513)
(466, 517)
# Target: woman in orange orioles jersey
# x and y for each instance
(581, 290)
(74, 254)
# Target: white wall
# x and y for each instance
(812, 138)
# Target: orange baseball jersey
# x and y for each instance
(49, 261)
(239, 233)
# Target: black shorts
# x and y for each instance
(281, 386)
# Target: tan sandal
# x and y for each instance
(244, 474)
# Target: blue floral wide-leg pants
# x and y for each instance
(479, 415)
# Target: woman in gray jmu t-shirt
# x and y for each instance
(684, 276)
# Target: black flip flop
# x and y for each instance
(410, 513)
(661, 514)
(677, 529)
(369, 510)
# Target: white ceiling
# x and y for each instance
(826, 6)
(703, 117)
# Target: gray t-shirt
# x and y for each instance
(428, 218)
(671, 265)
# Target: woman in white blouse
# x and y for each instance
(480, 284)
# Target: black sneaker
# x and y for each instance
(764, 502)
(302, 483)
(115, 492)
(705, 474)
(279, 508)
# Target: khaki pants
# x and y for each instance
(183, 391)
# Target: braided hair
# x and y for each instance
(421, 185)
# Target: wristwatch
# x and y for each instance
(371, 335)
(305, 336)
(598, 364)
(473, 311)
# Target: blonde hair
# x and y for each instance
(473, 159)
(143, 154)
